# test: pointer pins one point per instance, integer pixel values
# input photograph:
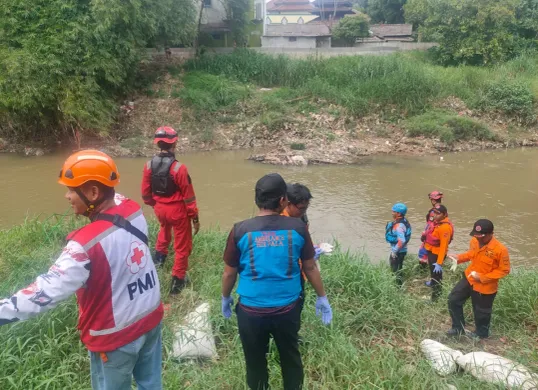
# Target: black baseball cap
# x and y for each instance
(482, 226)
(271, 186)
(439, 208)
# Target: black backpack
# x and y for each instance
(162, 182)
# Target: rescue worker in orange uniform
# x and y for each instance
(489, 263)
(435, 198)
(436, 244)
(167, 187)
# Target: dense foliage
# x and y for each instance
(352, 27)
(62, 62)
(386, 11)
(476, 32)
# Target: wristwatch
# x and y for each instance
(196, 219)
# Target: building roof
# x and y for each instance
(297, 30)
(290, 6)
(392, 30)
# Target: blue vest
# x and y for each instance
(391, 237)
(269, 272)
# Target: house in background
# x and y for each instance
(215, 28)
(297, 36)
(390, 32)
(290, 12)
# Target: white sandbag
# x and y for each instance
(195, 339)
(441, 357)
(496, 369)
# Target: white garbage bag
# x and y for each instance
(441, 357)
(496, 369)
(195, 339)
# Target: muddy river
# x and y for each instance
(351, 203)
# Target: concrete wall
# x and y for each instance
(279, 42)
(365, 49)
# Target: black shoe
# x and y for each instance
(159, 259)
(177, 285)
(455, 332)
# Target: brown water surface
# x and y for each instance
(351, 203)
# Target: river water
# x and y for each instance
(351, 203)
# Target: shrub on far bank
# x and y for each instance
(447, 127)
(509, 98)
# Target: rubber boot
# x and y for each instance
(177, 285)
(159, 259)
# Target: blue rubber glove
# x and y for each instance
(227, 306)
(324, 310)
(318, 252)
(437, 269)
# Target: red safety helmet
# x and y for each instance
(435, 195)
(165, 134)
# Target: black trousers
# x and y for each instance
(255, 330)
(436, 279)
(397, 265)
(482, 307)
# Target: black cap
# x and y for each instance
(482, 226)
(439, 208)
(271, 186)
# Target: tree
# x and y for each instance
(63, 62)
(352, 27)
(476, 32)
(386, 11)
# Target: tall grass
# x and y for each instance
(372, 343)
(366, 84)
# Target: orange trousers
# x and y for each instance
(172, 218)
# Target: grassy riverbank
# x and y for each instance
(372, 344)
(338, 109)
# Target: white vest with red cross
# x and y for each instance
(121, 299)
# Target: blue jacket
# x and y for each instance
(266, 250)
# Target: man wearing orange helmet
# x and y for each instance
(167, 187)
(108, 264)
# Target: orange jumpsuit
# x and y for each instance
(174, 213)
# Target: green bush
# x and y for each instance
(447, 127)
(63, 63)
(209, 93)
(510, 98)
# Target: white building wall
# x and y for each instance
(284, 42)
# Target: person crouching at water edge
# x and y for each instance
(489, 263)
(398, 233)
(265, 251)
(167, 187)
(435, 198)
(105, 263)
(436, 242)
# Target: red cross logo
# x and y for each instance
(137, 257)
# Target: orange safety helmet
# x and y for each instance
(88, 165)
(165, 134)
